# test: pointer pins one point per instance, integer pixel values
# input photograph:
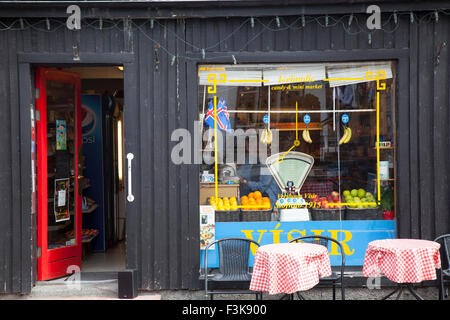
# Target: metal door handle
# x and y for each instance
(130, 196)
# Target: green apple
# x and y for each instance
(369, 195)
(354, 193)
(356, 199)
(346, 193)
(361, 193)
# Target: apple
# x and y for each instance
(335, 196)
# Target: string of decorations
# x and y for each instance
(349, 22)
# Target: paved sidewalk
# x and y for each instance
(108, 291)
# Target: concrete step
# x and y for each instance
(82, 286)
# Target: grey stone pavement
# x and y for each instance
(107, 290)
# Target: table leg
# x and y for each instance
(414, 293)
(300, 296)
(400, 293)
(400, 288)
(291, 296)
(390, 294)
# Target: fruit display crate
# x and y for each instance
(227, 215)
(363, 213)
(327, 214)
(256, 215)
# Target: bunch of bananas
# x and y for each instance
(346, 136)
(306, 136)
(266, 136)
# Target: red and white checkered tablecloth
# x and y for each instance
(289, 267)
(402, 260)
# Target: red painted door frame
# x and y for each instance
(60, 261)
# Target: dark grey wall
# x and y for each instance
(162, 228)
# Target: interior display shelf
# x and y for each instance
(91, 208)
(59, 227)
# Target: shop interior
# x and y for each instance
(102, 171)
(289, 107)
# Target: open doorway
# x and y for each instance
(98, 198)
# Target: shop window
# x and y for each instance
(326, 111)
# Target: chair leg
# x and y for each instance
(441, 289)
(342, 292)
(211, 296)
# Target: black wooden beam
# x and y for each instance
(146, 10)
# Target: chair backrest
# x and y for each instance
(322, 240)
(234, 254)
(445, 239)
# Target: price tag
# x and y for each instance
(266, 119)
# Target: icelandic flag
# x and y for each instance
(223, 117)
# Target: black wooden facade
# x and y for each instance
(161, 95)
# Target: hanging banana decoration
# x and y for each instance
(347, 131)
(266, 136)
(346, 136)
(305, 134)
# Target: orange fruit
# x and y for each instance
(259, 201)
(257, 194)
(244, 201)
(251, 195)
(244, 198)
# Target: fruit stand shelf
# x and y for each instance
(384, 148)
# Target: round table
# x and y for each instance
(404, 261)
(289, 267)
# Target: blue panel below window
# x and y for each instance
(354, 235)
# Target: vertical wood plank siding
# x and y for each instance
(163, 230)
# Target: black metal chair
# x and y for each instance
(444, 272)
(335, 279)
(234, 254)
